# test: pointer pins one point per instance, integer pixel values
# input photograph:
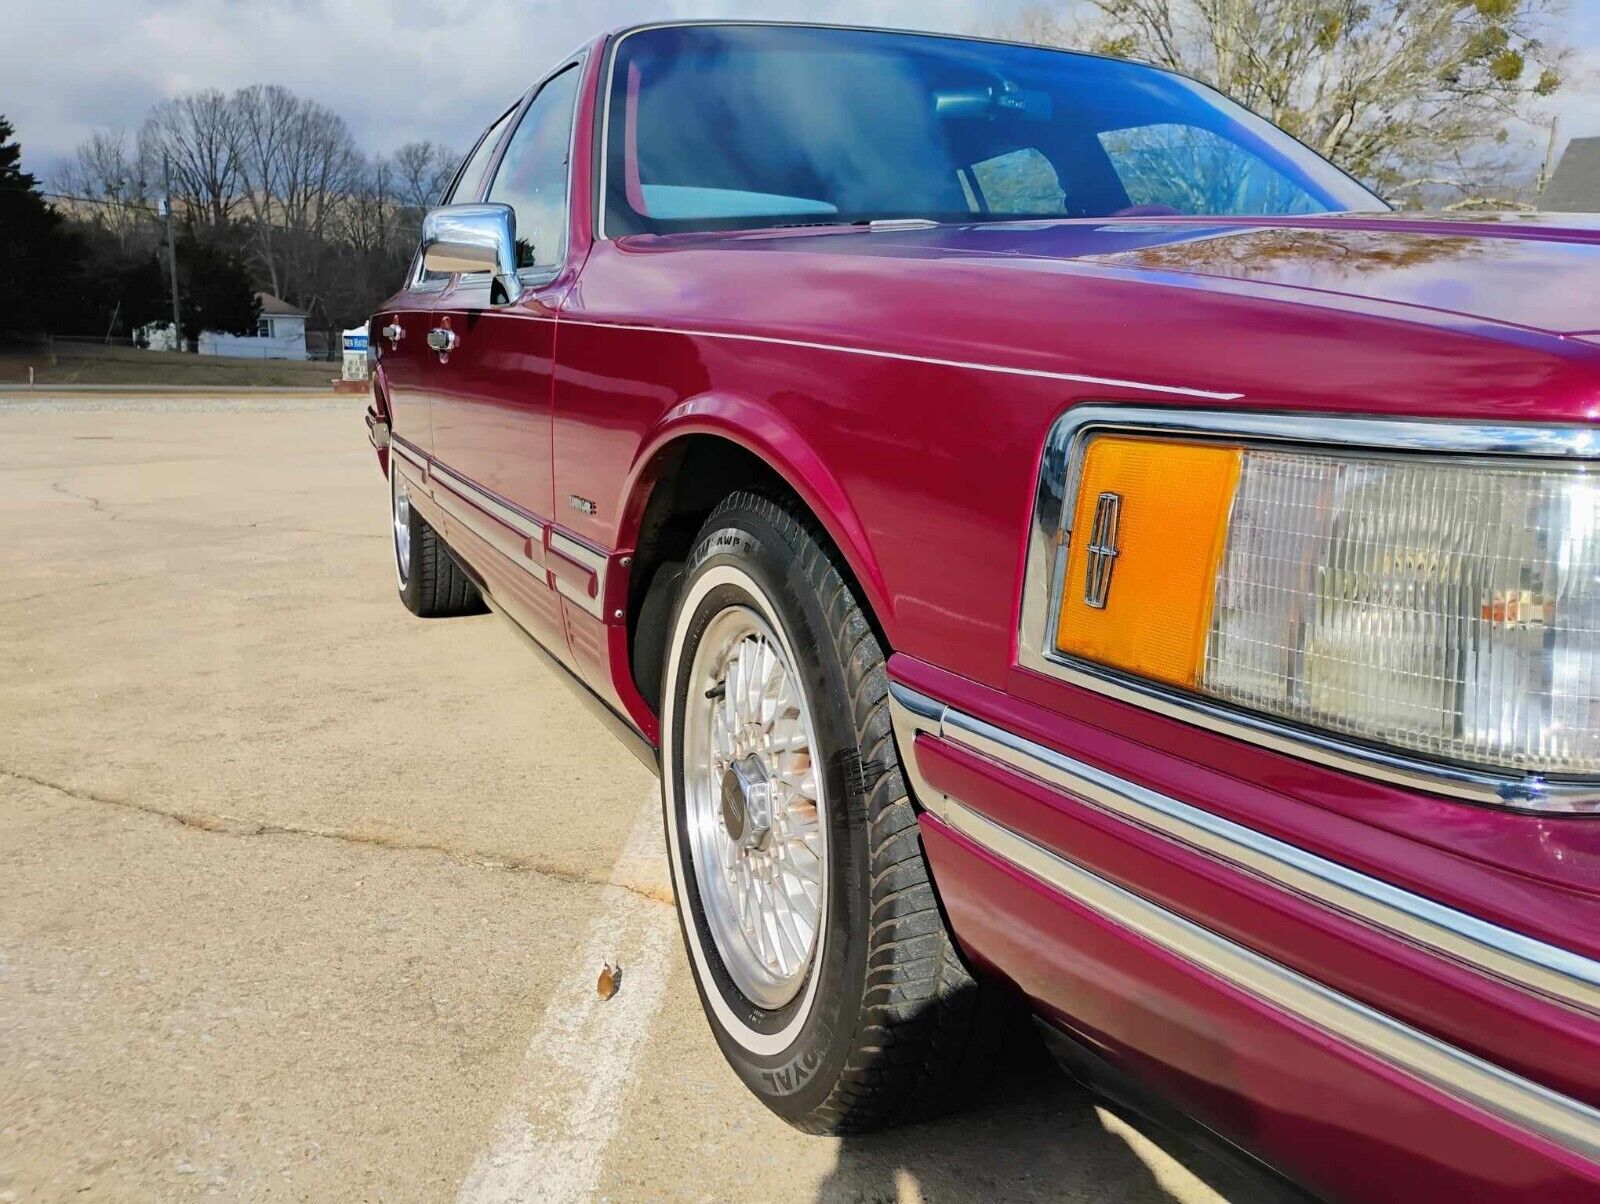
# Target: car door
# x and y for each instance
(401, 328)
(492, 389)
(399, 334)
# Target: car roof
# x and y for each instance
(723, 22)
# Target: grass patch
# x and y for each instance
(86, 364)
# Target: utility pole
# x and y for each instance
(1549, 167)
(172, 252)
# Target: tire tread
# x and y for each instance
(437, 586)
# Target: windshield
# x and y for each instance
(743, 126)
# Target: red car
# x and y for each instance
(1057, 539)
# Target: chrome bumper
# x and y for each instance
(1548, 969)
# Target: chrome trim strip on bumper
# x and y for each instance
(1060, 468)
(1569, 1123)
(1524, 961)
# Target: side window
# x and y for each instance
(1021, 181)
(470, 178)
(533, 174)
(1188, 170)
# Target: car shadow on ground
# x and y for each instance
(1036, 1135)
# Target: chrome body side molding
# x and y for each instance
(517, 534)
(1525, 961)
(408, 453)
(524, 525)
(1059, 473)
(563, 543)
(584, 556)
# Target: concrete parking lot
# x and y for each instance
(302, 898)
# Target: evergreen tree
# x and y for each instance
(36, 256)
(214, 290)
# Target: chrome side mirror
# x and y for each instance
(474, 238)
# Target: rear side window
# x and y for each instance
(533, 173)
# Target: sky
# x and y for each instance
(399, 70)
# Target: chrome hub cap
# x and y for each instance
(754, 807)
(747, 803)
(402, 529)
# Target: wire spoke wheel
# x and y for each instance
(755, 806)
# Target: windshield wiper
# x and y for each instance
(900, 223)
(861, 223)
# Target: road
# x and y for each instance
(302, 898)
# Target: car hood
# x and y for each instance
(1535, 271)
(1539, 273)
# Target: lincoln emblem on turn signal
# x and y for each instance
(1102, 550)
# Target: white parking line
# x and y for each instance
(551, 1138)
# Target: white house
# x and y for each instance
(280, 335)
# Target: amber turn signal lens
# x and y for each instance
(1148, 531)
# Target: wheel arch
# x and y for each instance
(702, 450)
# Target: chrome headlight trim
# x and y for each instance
(1059, 471)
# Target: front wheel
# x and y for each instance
(821, 957)
(432, 584)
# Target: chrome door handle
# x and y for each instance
(394, 332)
(443, 340)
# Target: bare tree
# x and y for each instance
(196, 135)
(115, 186)
(1408, 95)
(298, 162)
(269, 174)
(320, 165)
(264, 115)
(422, 172)
(372, 235)
(367, 219)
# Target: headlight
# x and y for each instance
(1444, 606)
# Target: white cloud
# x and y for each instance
(1578, 102)
(396, 69)
(403, 69)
